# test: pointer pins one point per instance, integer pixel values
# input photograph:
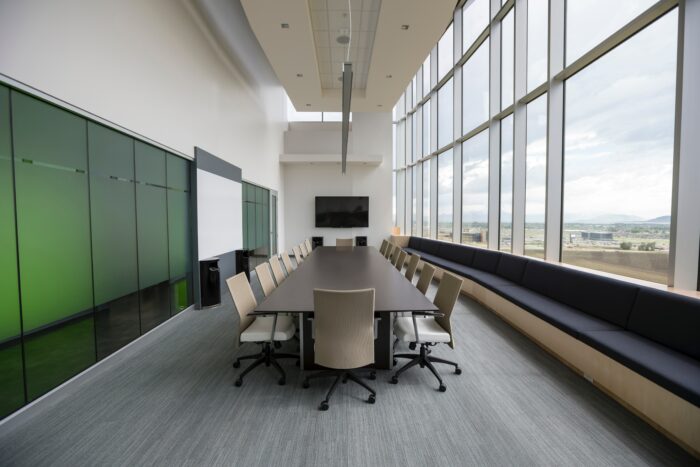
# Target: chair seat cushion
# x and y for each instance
(564, 317)
(428, 330)
(259, 330)
(672, 370)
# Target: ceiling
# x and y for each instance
(301, 40)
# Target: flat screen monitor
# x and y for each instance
(342, 211)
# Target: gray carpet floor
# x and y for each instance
(169, 399)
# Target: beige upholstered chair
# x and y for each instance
(382, 249)
(429, 331)
(297, 255)
(389, 251)
(287, 262)
(258, 329)
(400, 260)
(304, 251)
(412, 266)
(309, 248)
(343, 242)
(426, 277)
(265, 278)
(277, 269)
(344, 336)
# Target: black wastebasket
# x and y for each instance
(243, 262)
(210, 282)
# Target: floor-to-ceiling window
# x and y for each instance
(595, 80)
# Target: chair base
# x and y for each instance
(344, 376)
(423, 359)
(266, 356)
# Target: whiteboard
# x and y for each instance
(219, 214)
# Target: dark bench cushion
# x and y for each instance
(486, 260)
(415, 243)
(599, 296)
(669, 319)
(564, 317)
(456, 252)
(430, 246)
(512, 267)
(672, 370)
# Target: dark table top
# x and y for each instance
(346, 268)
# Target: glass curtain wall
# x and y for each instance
(618, 114)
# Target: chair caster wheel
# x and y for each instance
(236, 364)
(458, 371)
(412, 346)
(238, 382)
(442, 388)
(323, 406)
(282, 381)
(371, 399)
(305, 384)
(298, 363)
(396, 362)
(394, 380)
(278, 345)
(373, 375)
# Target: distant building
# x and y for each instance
(474, 237)
(596, 235)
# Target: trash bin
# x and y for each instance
(243, 262)
(210, 282)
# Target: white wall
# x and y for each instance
(371, 134)
(152, 67)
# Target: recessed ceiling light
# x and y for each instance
(308, 105)
(404, 27)
(379, 105)
(285, 25)
(299, 75)
(389, 76)
(343, 39)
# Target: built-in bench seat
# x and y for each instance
(652, 332)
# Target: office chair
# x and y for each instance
(263, 330)
(344, 242)
(304, 251)
(309, 247)
(287, 262)
(344, 337)
(412, 266)
(263, 272)
(277, 269)
(389, 251)
(382, 249)
(400, 260)
(297, 255)
(430, 331)
(426, 277)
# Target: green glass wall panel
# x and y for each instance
(178, 173)
(259, 235)
(53, 357)
(250, 212)
(53, 218)
(178, 217)
(11, 378)
(113, 208)
(151, 215)
(47, 134)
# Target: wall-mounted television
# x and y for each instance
(342, 211)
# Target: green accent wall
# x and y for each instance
(11, 373)
(95, 242)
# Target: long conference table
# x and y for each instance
(346, 268)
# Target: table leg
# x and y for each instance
(306, 343)
(383, 347)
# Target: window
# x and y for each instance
(445, 116)
(426, 198)
(536, 176)
(407, 200)
(393, 196)
(401, 199)
(393, 146)
(415, 91)
(475, 89)
(505, 237)
(409, 139)
(401, 144)
(475, 17)
(426, 128)
(589, 22)
(426, 76)
(507, 59)
(414, 137)
(475, 189)
(618, 150)
(537, 38)
(445, 54)
(444, 208)
(414, 189)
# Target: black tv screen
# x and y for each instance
(342, 211)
